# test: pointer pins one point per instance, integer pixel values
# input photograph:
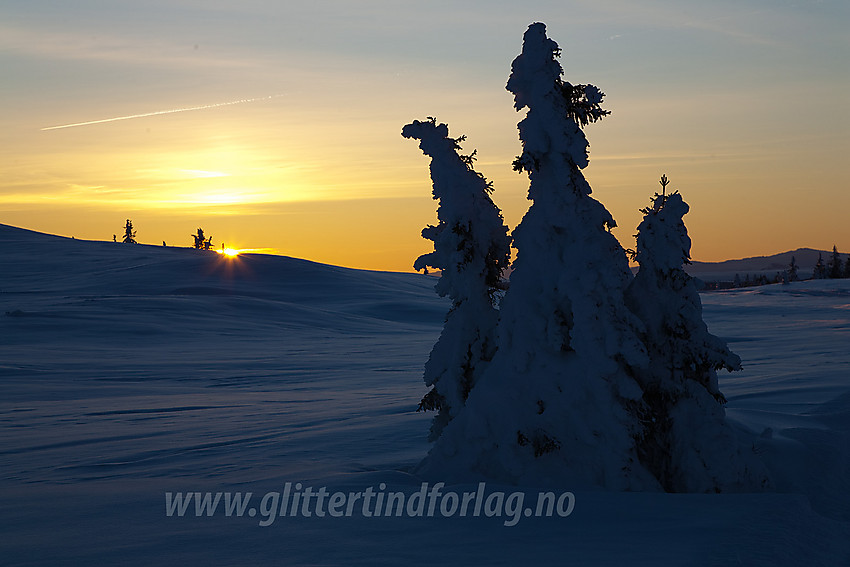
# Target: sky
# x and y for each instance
(275, 125)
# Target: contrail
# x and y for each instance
(242, 101)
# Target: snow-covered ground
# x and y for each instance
(130, 371)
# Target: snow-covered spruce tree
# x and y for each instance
(834, 266)
(819, 272)
(687, 445)
(792, 270)
(558, 404)
(129, 233)
(471, 248)
(199, 239)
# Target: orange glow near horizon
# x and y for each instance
(294, 147)
(361, 215)
(319, 195)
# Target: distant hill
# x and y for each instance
(299, 291)
(806, 259)
(768, 265)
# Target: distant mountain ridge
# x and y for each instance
(805, 258)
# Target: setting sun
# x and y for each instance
(229, 252)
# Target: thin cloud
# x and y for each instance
(725, 20)
(136, 51)
(161, 112)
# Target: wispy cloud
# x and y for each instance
(48, 43)
(160, 112)
(203, 174)
(728, 20)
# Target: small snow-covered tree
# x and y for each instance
(201, 242)
(558, 404)
(199, 238)
(687, 444)
(834, 268)
(129, 233)
(819, 272)
(471, 248)
(792, 270)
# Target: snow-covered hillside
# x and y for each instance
(127, 372)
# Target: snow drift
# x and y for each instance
(120, 381)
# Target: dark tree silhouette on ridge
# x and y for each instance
(201, 242)
(129, 233)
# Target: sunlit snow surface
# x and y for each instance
(129, 371)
